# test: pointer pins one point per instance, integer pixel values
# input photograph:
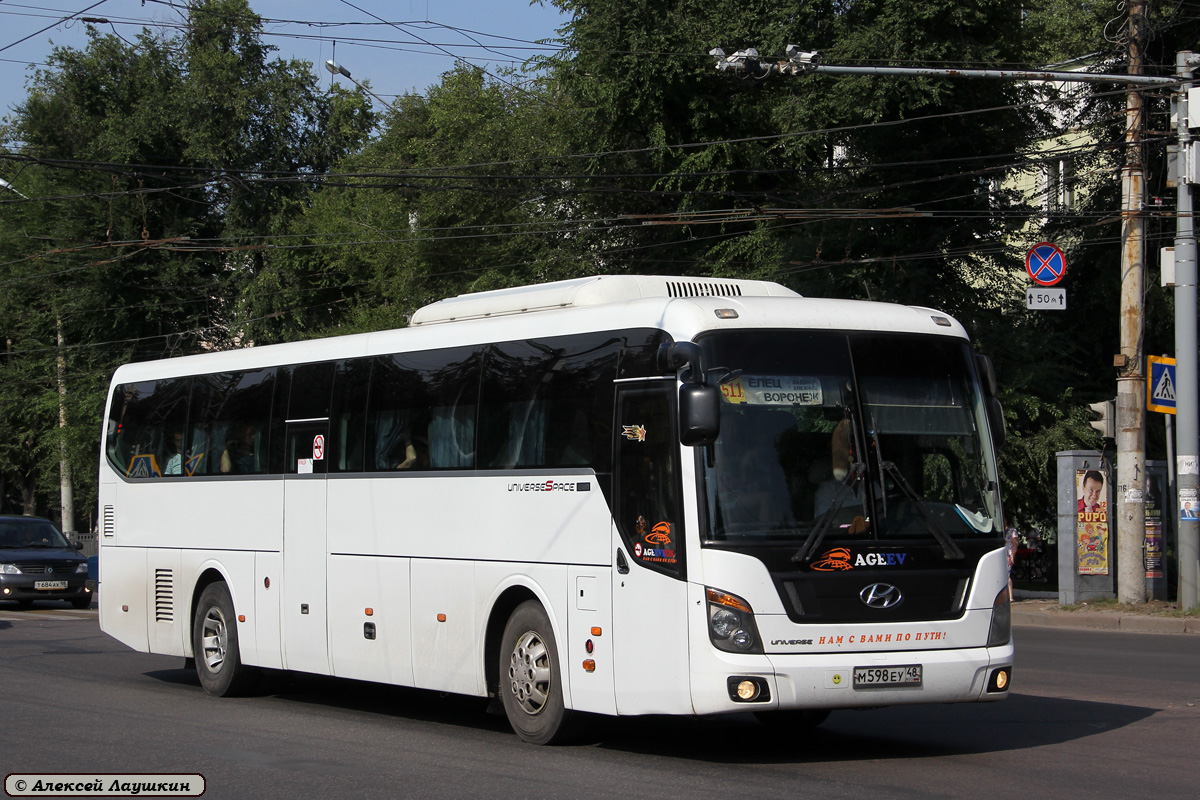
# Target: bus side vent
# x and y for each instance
(702, 289)
(110, 521)
(164, 596)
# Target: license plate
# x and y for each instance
(887, 677)
(49, 584)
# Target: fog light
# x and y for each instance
(1000, 680)
(7, 590)
(748, 689)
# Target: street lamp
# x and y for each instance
(337, 69)
(5, 184)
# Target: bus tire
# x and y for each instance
(531, 679)
(793, 721)
(215, 644)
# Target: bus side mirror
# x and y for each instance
(699, 414)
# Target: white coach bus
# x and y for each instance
(612, 495)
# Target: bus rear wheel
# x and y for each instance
(531, 679)
(215, 645)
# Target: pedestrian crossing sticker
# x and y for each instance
(1160, 385)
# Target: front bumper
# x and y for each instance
(23, 587)
(825, 680)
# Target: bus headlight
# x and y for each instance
(1001, 630)
(731, 623)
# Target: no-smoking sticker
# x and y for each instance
(318, 448)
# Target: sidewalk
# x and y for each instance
(1045, 612)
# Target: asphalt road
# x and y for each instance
(1092, 715)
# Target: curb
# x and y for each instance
(1088, 620)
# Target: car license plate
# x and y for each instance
(887, 677)
(49, 584)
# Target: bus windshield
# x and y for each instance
(854, 435)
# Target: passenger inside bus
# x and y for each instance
(416, 451)
(831, 488)
(173, 454)
(238, 458)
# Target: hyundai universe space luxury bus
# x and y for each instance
(614, 495)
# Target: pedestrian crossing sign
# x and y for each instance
(1160, 385)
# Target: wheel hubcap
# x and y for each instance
(529, 672)
(214, 639)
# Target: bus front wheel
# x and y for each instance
(531, 679)
(215, 645)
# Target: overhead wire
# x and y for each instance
(433, 175)
(54, 25)
(415, 173)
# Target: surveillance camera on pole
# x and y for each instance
(806, 59)
(742, 64)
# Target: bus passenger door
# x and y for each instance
(649, 593)
(305, 548)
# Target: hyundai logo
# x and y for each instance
(880, 595)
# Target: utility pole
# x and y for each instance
(1131, 399)
(1187, 368)
(1131, 378)
(65, 485)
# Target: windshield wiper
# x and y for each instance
(818, 532)
(951, 549)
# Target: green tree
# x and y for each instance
(153, 172)
(878, 187)
(450, 197)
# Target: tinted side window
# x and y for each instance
(279, 414)
(312, 389)
(228, 428)
(421, 410)
(146, 428)
(347, 424)
(548, 403)
(639, 357)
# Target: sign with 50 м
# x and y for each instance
(1046, 299)
(1045, 263)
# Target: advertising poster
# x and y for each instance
(1091, 521)
(1187, 504)
(1152, 550)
